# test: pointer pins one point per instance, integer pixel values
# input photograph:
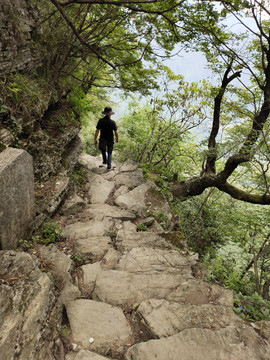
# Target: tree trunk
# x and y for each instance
(266, 288)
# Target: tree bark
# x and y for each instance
(212, 152)
(266, 288)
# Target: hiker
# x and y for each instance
(107, 129)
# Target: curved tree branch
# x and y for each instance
(111, 2)
(238, 194)
(212, 154)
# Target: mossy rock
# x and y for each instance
(2, 147)
(155, 198)
(177, 239)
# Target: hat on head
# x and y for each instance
(108, 111)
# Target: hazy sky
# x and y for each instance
(191, 65)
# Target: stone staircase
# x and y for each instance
(137, 297)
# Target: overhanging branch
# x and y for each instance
(212, 155)
(78, 36)
(238, 194)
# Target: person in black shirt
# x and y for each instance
(107, 128)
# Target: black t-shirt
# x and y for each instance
(106, 126)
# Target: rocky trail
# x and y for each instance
(136, 297)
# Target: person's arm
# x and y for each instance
(96, 135)
(116, 136)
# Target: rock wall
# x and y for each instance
(27, 301)
(18, 18)
(16, 196)
(35, 114)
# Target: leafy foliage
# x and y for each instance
(51, 233)
(159, 133)
(253, 307)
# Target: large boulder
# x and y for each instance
(17, 199)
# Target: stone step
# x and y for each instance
(130, 179)
(135, 199)
(91, 228)
(85, 355)
(96, 246)
(128, 238)
(99, 327)
(162, 318)
(99, 189)
(106, 210)
(197, 292)
(150, 260)
(137, 261)
(124, 289)
(200, 344)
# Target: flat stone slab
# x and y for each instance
(129, 165)
(198, 292)
(110, 211)
(98, 327)
(89, 275)
(91, 228)
(146, 259)
(90, 161)
(202, 344)
(99, 188)
(124, 288)
(73, 205)
(97, 246)
(129, 179)
(110, 259)
(129, 239)
(134, 199)
(121, 191)
(59, 263)
(85, 355)
(163, 318)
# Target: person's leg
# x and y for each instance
(104, 157)
(109, 161)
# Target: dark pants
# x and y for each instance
(107, 159)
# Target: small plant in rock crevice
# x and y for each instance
(142, 227)
(50, 233)
(65, 331)
(111, 233)
(79, 258)
(27, 245)
(79, 176)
